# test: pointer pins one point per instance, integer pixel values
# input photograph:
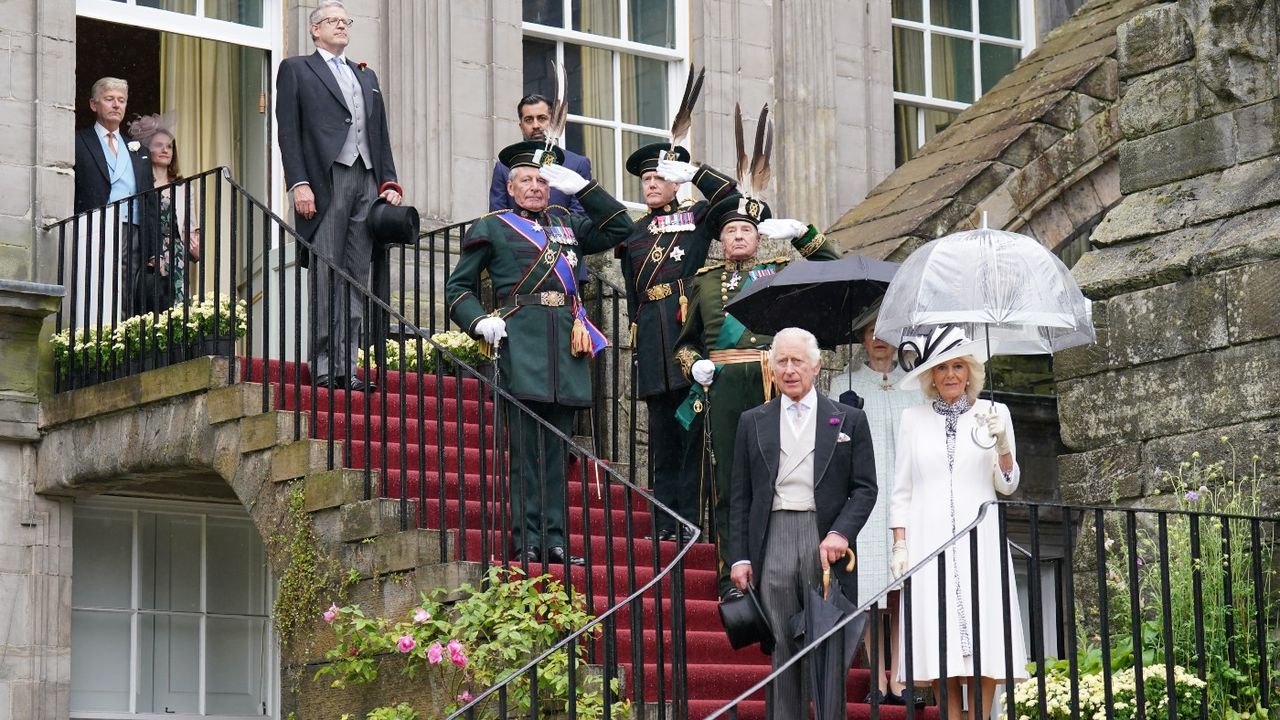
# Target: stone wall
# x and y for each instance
(1185, 270)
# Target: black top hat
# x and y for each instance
(745, 623)
(531, 153)
(393, 224)
(738, 207)
(646, 158)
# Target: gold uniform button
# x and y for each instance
(724, 298)
(753, 339)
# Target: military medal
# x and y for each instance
(734, 280)
(572, 257)
(549, 256)
(697, 406)
(537, 227)
(562, 235)
(762, 272)
(675, 222)
(677, 254)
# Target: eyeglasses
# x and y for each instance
(335, 21)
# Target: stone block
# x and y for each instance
(399, 552)
(183, 378)
(1162, 456)
(261, 431)
(1168, 320)
(1052, 226)
(1102, 82)
(370, 518)
(334, 488)
(1072, 110)
(1153, 39)
(1257, 130)
(299, 459)
(1251, 237)
(1186, 151)
(1158, 101)
(1187, 393)
(1101, 477)
(448, 578)
(1252, 301)
(236, 401)
(1110, 271)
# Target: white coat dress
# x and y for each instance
(933, 505)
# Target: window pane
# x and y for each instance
(630, 183)
(234, 666)
(908, 10)
(935, 121)
(590, 77)
(951, 13)
(597, 144)
(952, 69)
(99, 656)
(997, 61)
(653, 22)
(544, 12)
(538, 76)
(999, 17)
(101, 558)
(644, 92)
(244, 12)
(168, 663)
(236, 579)
(598, 17)
(908, 61)
(187, 7)
(169, 576)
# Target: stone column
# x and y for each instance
(35, 532)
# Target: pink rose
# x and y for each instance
(465, 697)
(456, 654)
(332, 613)
(435, 654)
(421, 615)
(406, 643)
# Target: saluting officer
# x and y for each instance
(531, 257)
(719, 353)
(659, 259)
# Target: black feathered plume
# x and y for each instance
(754, 173)
(684, 116)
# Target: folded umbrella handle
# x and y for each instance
(826, 574)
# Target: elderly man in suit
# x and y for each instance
(804, 482)
(109, 169)
(336, 150)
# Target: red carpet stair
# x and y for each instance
(429, 420)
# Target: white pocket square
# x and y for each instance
(843, 438)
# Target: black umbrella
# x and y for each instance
(829, 663)
(821, 297)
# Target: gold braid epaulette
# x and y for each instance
(491, 213)
(813, 245)
(709, 267)
(781, 259)
(687, 356)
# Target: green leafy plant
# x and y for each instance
(1093, 702)
(309, 573)
(476, 643)
(103, 348)
(463, 346)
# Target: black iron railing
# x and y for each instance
(1186, 600)
(433, 436)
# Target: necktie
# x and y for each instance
(111, 143)
(340, 69)
(797, 414)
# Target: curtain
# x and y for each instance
(199, 81)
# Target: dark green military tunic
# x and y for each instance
(658, 266)
(737, 387)
(536, 363)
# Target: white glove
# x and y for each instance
(703, 371)
(999, 429)
(563, 179)
(676, 171)
(492, 329)
(782, 228)
(898, 562)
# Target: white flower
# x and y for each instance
(134, 145)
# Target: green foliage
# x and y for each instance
(105, 347)
(309, 574)
(462, 345)
(1231, 658)
(476, 643)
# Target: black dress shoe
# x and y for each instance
(355, 384)
(893, 698)
(875, 697)
(666, 535)
(730, 594)
(325, 381)
(529, 555)
(556, 556)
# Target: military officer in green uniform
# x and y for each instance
(658, 260)
(718, 353)
(531, 256)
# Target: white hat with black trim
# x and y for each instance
(945, 342)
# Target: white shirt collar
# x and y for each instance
(328, 56)
(810, 401)
(102, 131)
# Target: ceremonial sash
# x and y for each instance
(528, 230)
